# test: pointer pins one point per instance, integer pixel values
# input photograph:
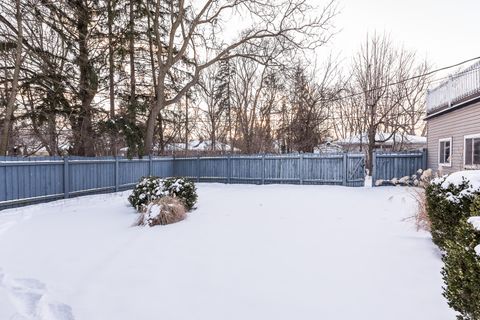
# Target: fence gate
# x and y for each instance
(355, 171)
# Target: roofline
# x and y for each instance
(453, 107)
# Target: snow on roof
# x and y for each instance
(328, 147)
(200, 145)
(194, 145)
(388, 137)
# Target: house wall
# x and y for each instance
(454, 124)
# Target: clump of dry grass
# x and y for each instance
(422, 221)
(162, 211)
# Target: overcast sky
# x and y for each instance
(445, 31)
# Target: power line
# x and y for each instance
(426, 74)
(220, 121)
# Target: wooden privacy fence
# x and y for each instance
(30, 180)
(341, 169)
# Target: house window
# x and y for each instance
(445, 152)
(472, 151)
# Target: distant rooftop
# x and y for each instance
(459, 88)
(386, 138)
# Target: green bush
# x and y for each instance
(461, 272)
(152, 188)
(446, 206)
(146, 190)
(181, 188)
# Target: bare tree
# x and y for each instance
(190, 28)
(381, 91)
(214, 111)
(12, 96)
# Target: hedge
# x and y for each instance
(461, 272)
(446, 207)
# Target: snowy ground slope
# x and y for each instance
(247, 252)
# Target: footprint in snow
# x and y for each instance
(31, 300)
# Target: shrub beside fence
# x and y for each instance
(30, 180)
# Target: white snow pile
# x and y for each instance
(470, 178)
(418, 179)
(475, 222)
(251, 252)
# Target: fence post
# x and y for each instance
(229, 169)
(300, 168)
(374, 167)
(117, 178)
(198, 168)
(263, 168)
(66, 178)
(150, 165)
(424, 159)
(345, 168)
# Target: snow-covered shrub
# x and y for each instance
(146, 190)
(461, 272)
(161, 211)
(152, 188)
(449, 199)
(181, 188)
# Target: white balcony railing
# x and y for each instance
(459, 87)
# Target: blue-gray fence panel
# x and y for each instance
(281, 169)
(130, 171)
(244, 169)
(213, 169)
(186, 167)
(398, 165)
(86, 175)
(325, 169)
(28, 179)
(162, 167)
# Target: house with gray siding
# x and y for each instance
(453, 122)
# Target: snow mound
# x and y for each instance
(29, 299)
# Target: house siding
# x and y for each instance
(454, 124)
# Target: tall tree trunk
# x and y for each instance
(88, 85)
(131, 47)
(111, 69)
(152, 118)
(161, 140)
(13, 92)
(370, 150)
(186, 122)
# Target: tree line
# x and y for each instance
(91, 77)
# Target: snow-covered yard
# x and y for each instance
(247, 252)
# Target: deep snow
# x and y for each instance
(247, 252)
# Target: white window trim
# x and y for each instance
(446, 164)
(470, 136)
